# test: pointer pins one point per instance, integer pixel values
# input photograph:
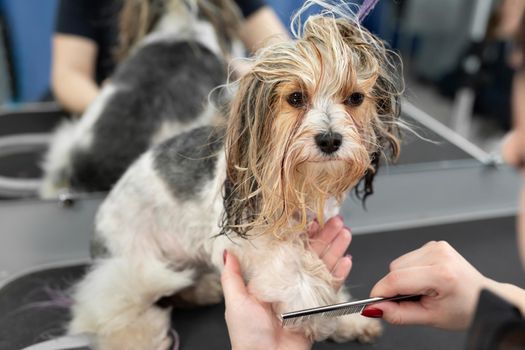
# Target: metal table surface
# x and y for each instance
(438, 191)
(489, 244)
(37, 234)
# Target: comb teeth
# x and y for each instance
(352, 309)
(295, 318)
(291, 321)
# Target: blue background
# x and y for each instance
(30, 26)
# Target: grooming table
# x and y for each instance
(417, 151)
(50, 248)
(488, 244)
(24, 136)
(32, 118)
(438, 191)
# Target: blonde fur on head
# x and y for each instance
(341, 79)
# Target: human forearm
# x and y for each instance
(74, 91)
(449, 286)
(262, 28)
(73, 68)
(513, 294)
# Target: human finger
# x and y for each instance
(402, 313)
(326, 235)
(231, 279)
(429, 254)
(420, 280)
(314, 229)
(510, 149)
(341, 271)
(336, 248)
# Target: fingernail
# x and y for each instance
(340, 216)
(313, 229)
(372, 312)
(349, 256)
(315, 220)
(225, 256)
(348, 229)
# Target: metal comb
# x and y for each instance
(352, 307)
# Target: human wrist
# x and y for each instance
(290, 346)
(306, 345)
(295, 341)
(513, 294)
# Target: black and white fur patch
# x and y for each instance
(161, 90)
(185, 162)
(154, 93)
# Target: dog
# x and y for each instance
(159, 90)
(308, 123)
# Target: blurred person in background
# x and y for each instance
(89, 36)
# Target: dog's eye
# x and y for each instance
(297, 99)
(355, 99)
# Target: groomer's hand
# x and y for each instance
(448, 283)
(330, 243)
(251, 323)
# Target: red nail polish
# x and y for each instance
(372, 312)
(225, 256)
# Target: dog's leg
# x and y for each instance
(351, 327)
(291, 278)
(206, 291)
(69, 137)
(57, 161)
(116, 302)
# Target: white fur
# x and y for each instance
(154, 222)
(157, 242)
(115, 303)
(69, 136)
(181, 24)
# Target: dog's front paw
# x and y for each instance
(113, 342)
(357, 327)
(136, 339)
(206, 291)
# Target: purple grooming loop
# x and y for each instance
(366, 7)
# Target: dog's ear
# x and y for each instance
(388, 107)
(248, 141)
(250, 122)
(386, 91)
(387, 133)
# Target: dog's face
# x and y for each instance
(309, 122)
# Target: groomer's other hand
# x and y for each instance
(448, 283)
(251, 323)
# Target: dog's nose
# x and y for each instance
(329, 142)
